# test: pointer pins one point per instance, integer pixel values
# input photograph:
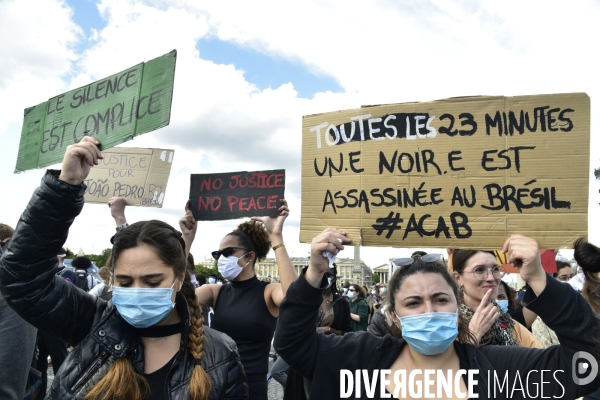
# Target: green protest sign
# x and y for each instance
(113, 110)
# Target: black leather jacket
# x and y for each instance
(99, 333)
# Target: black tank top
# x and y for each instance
(241, 313)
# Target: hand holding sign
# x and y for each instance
(524, 253)
(117, 209)
(274, 225)
(188, 226)
(234, 195)
(78, 160)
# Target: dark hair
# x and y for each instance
(122, 381)
(253, 235)
(201, 279)
(81, 263)
(421, 267)
(360, 291)
(588, 257)
(190, 264)
(6, 231)
(418, 253)
(560, 265)
(460, 258)
(513, 303)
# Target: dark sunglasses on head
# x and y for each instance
(404, 262)
(226, 252)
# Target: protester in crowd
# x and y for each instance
(588, 257)
(507, 298)
(17, 341)
(246, 308)
(62, 270)
(103, 289)
(148, 342)
(564, 271)
(359, 311)
(423, 301)
(477, 275)
(212, 278)
(84, 280)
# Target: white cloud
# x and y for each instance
(383, 52)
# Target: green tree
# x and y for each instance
(375, 278)
(207, 271)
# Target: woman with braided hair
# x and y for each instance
(148, 342)
(246, 309)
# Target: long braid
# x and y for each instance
(200, 383)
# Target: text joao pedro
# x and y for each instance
(392, 160)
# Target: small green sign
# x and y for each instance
(113, 110)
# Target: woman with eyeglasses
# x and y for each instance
(148, 341)
(246, 309)
(435, 338)
(478, 275)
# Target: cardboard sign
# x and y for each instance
(237, 194)
(138, 175)
(113, 110)
(455, 173)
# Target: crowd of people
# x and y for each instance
(145, 327)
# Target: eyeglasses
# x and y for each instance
(404, 262)
(565, 278)
(226, 252)
(481, 273)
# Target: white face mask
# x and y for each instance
(212, 280)
(382, 290)
(229, 268)
(373, 292)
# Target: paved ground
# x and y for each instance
(275, 389)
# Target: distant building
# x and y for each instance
(348, 273)
(383, 271)
(266, 270)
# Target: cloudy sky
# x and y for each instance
(248, 71)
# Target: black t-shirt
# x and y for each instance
(157, 381)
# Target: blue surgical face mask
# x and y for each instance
(503, 305)
(430, 333)
(212, 280)
(143, 307)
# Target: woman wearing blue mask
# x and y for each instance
(423, 303)
(246, 309)
(148, 342)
